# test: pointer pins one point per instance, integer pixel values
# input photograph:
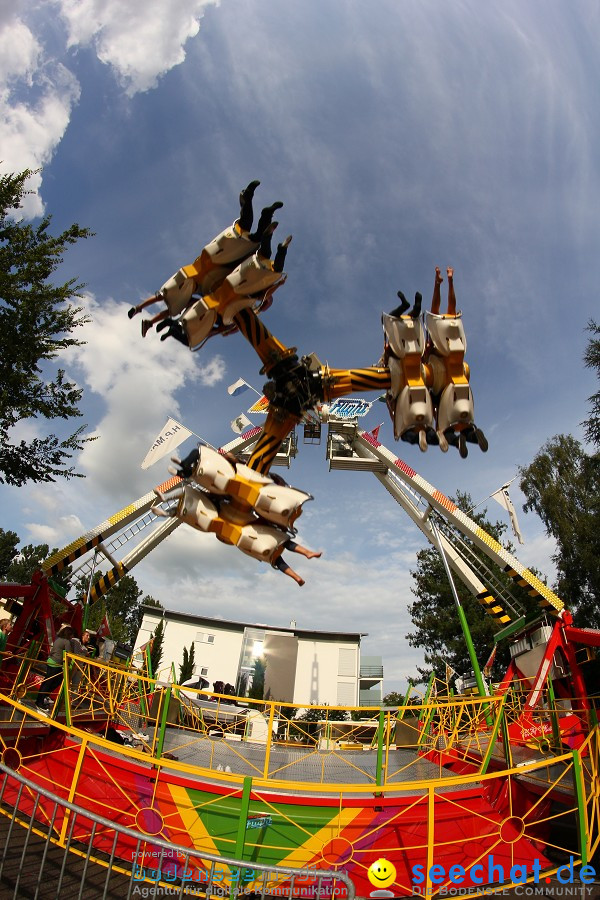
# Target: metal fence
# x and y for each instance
(43, 859)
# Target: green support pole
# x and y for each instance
(582, 824)
(163, 722)
(553, 715)
(380, 737)
(240, 841)
(462, 618)
(426, 713)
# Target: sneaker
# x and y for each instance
(43, 710)
(141, 736)
(131, 312)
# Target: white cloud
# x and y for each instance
(140, 42)
(37, 95)
(137, 381)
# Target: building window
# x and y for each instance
(346, 694)
(347, 662)
(203, 638)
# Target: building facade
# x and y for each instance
(301, 666)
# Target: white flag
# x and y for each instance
(502, 497)
(238, 388)
(240, 423)
(172, 435)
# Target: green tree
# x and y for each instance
(592, 361)
(434, 615)
(37, 322)
(562, 485)
(8, 551)
(257, 690)
(156, 653)
(28, 560)
(393, 699)
(122, 603)
(186, 670)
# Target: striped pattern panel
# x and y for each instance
(546, 598)
(107, 581)
(340, 382)
(57, 562)
(276, 429)
(269, 349)
(493, 608)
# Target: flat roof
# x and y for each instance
(239, 626)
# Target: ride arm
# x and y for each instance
(108, 581)
(91, 539)
(365, 445)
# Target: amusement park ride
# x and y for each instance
(230, 493)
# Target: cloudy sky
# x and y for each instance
(400, 135)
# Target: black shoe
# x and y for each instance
(416, 310)
(410, 437)
(131, 312)
(248, 192)
(451, 437)
(462, 445)
(400, 310)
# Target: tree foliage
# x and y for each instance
(37, 322)
(257, 689)
(562, 485)
(434, 614)
(121, 603)
(186, 669)
(8, 551)
(156, 653)
(592, 361)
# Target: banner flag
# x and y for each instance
(172, 435)
(240, 423)
(238, 387)
(502, 497)
(103, 630)
(260, 406)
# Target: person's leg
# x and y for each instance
(436, 299)
(265, 243)
(451, 294)
(400, 310)
(303, 551)
(246, 212)
(284, 567)
(149, 302)
(266, 219)
(279, 260)
(51, 680)
(416, 310)
(148, 323)
(176, 331)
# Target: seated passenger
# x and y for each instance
(408, 398)
(216, 260)
(447, 373)
(246, 286)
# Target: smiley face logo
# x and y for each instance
(381, 873)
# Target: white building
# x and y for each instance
(302, 666)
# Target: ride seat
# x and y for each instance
(196, 509)
(280, 505)
(213, 472)
(447, 333)
(177, 292)
(261, 541)
(405, 335)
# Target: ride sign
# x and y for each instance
(349, 408)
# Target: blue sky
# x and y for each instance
(400, 136)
